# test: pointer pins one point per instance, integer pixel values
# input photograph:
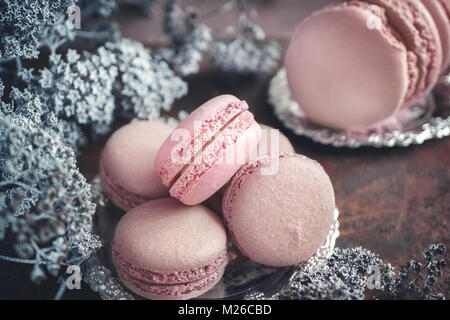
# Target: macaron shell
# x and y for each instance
(220, 171)
(280, 219)
(127, 161)
(362, 82)
(267, 145)
(165, 236)
(441, 15)
(200, 126)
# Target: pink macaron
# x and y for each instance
(273, 141)
(279, 209)
(355, 65)
(127, 164)
(440, 11)
(207, 148)
(163, 249)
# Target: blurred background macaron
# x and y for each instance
(127, 164)
(356, 65)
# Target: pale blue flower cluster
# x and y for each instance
(22, 21)
(89, 91)
(146, 85)
(45, 202)
(48, 113)
(79, 88)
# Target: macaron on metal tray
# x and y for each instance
(241, 279)
(431, 121)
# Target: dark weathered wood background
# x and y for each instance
(393, 201)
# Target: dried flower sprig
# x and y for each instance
(102, 8)
(88, 91)
(416, 279)
(26, 104)
(44, 202)
(46, 206)
(248, 53)
(145, 85)
(358, 273)
(78, 88)
(244, 56)
(22, 21)
(344, 276)
(190, 38)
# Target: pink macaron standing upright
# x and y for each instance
(281, 216)
(357, 65)
(207, 148)
(163, 249)
(440, 11)
(127, 164)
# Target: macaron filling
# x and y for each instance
(213, 151)
(385, 28)
(394, 36)
(446, 7)
(421, 53)
(174, 277)
(422, 44)
(170, 283)
(429, 44)
(170, 170)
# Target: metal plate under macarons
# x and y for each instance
(431, 121)
(242, 277)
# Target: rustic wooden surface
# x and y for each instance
(393, 201)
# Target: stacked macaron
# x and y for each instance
(207, 148)
(165, 250)
(360, 65)
(276, 205)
